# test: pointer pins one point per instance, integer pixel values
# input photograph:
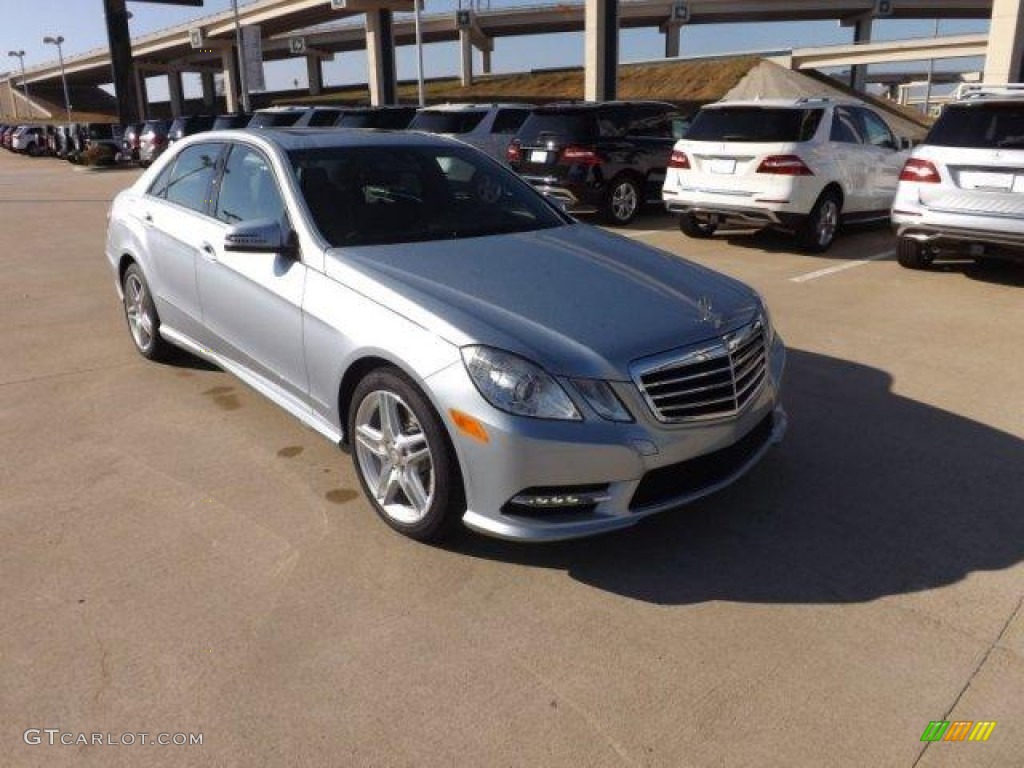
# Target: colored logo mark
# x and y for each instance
(958, 730)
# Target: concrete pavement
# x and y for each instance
(178, 555)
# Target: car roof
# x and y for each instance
(290, 139)
(802, 103)
(461, 107)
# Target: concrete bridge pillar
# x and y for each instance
(859, 72)
(141, 93)
(1004, 62)
(466, 56)
(672, 32)
(229, 64)
(601, 49)
(380, 57)
(209, 91)
(315, 75)
(486, 54)
(176, 88)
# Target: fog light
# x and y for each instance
(581, 498)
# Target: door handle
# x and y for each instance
(208, 252)
(148, 217)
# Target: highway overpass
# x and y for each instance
(368, 24)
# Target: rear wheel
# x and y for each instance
(913, 254)
(621, 201)
(819, 229)
(692, 225)
(143, 321)
(403, 458)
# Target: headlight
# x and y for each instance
(515, 385)
(602, 398)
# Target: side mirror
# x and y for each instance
(904, 144)
(262, 236)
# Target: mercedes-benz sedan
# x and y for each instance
(485, 358)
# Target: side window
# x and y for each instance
(190, 181)
(612, 123)
(810, 124)
(248, 189)
(507, 121)
(876, 130)
(844, 127)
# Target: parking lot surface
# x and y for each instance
(179, 555)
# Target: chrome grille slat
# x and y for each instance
(711, 381)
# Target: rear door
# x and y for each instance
(173, 214)
(854, 162)
(501, 130)
(884, 158)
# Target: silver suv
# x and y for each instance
(488, 127)
(962, 191)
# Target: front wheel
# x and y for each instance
(403, 458)
(819, 229)
(621, 201)
(692, 225)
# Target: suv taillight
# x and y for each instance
(580, 155)
(784, 165)
(679, 160)
(514, 154)
(921, 172)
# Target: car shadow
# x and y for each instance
(1008, 273)
(871, 494)
(848, 243)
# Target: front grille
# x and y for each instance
(711, 382)
(695, 475)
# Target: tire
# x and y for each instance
(913, 254)
(818, 231)
(622, 201)
(143, 320)
(422, 499)
(691, 226)
(32, 150)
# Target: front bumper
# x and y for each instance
(527, 453)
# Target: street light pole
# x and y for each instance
(419, 52)
(59, 41)
(20, 55)
(931, 77)
(243, 79)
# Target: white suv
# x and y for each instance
(962, 191)
(802, 165)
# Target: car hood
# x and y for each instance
(576, 299)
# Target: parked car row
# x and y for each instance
(69, 141)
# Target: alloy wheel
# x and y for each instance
(136, 307)
(624, 201)
(828, 222)
(394, 457)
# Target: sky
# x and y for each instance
(26, 22)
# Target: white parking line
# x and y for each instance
(642, 232)
(842, 267)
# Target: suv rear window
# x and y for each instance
(980, 126)
(274, 119)
(446, 122)
(755, 125)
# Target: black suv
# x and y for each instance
(394, 118)
(188, 126)
(609, 158)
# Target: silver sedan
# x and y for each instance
(485, 358)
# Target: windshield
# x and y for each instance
(400, 194)
(980, 126)
(447, 122)
(755, 125)
(559, 127)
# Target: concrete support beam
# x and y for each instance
(230, 66)
(141, 94)
(672, 33)
(601, 49)
(1004, 61)
(466, 56)
(861, 34)
(209, 91)
(176, 88)
(486, 53)
(380, 57)
(315, 75)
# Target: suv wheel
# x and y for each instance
(821, 226)
(621, 201)
(692, 225)
(402, 456)
(913, 254)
